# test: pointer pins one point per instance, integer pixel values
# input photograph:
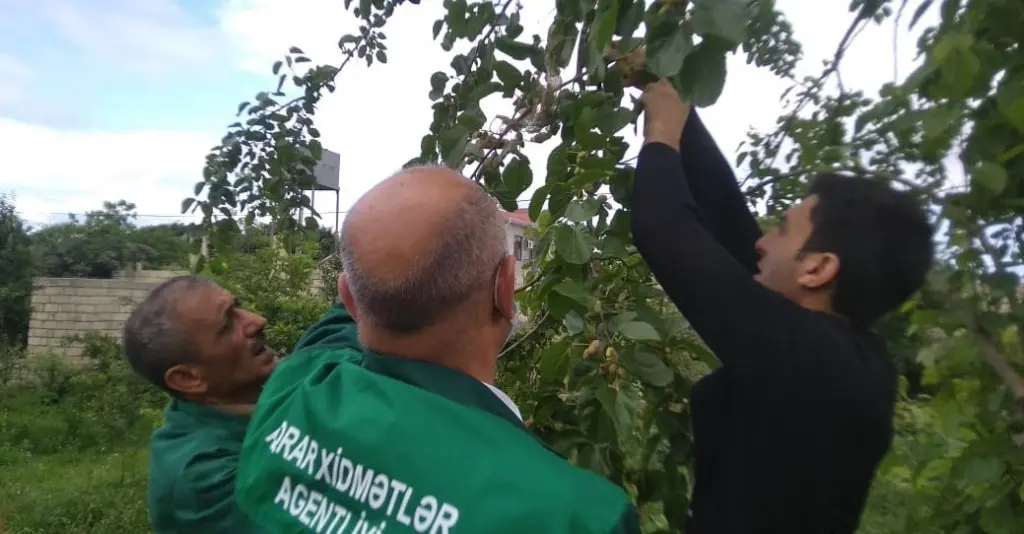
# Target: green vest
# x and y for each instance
(344, 441)
(192, 465)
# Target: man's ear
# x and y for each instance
(818, 270)
(505, 289)
(346, 296)
(186, 379)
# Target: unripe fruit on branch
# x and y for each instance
(632, 64)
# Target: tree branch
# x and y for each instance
(525, 336)
(990, 353)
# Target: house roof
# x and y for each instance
(520, 217)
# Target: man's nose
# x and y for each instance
(253, 323)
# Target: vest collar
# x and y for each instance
(231, 417)
(453, 385)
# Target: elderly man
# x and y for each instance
(409, 434)
(193, 340)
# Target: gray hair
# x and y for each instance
(465, 261)
(153, 339)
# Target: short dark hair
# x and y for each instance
(153, 339)
(883, 240)
(464, 261)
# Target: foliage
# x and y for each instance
(264, 165)
(16, 271)
(106, 241)
(276, 285)
(604, 370)
(90, 405)
(72, 439)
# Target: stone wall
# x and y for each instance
(68, 306)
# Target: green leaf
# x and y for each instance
(639, 331)
(604, 24)
(992, 176)
(960, 65)
(612, 123)
(515, 179)
(558, 164)
(631, 15)
(186, 204)
(1013, 109)
(562, 40)
(508, 74)
(665, 55)
(540, 196)
(937, 121)
(515, 49)
(703, 74)
(453, 145)
(573, 244)
(920, 11)
(457, 17)
(381, 56)
(722, 18)
(576, 291)
(573, 322)
(647, 366)
(438, 80)
(277, 67)
(559, 200)
(582, 210)
(616, 407)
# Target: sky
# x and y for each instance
(122, 99)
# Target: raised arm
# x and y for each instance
(739, 319)
(723, 208)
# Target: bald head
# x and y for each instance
(418, 245)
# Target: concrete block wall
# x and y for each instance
(69, 306)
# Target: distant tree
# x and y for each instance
(106, 241)
(16, 270)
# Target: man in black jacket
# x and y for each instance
(789, 431)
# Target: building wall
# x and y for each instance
(512, 232)
(69, 306)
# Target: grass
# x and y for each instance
(74, 493)
(73, 444)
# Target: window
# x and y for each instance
(529, 250)
(517, 248)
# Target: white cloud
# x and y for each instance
(75, 171)
(377, 116)
(151, 36)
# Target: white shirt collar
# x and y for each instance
(504, 399)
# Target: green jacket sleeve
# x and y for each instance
(336, 329)
(205, 497)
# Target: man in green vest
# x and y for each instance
(396, 426)
(193, 340)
